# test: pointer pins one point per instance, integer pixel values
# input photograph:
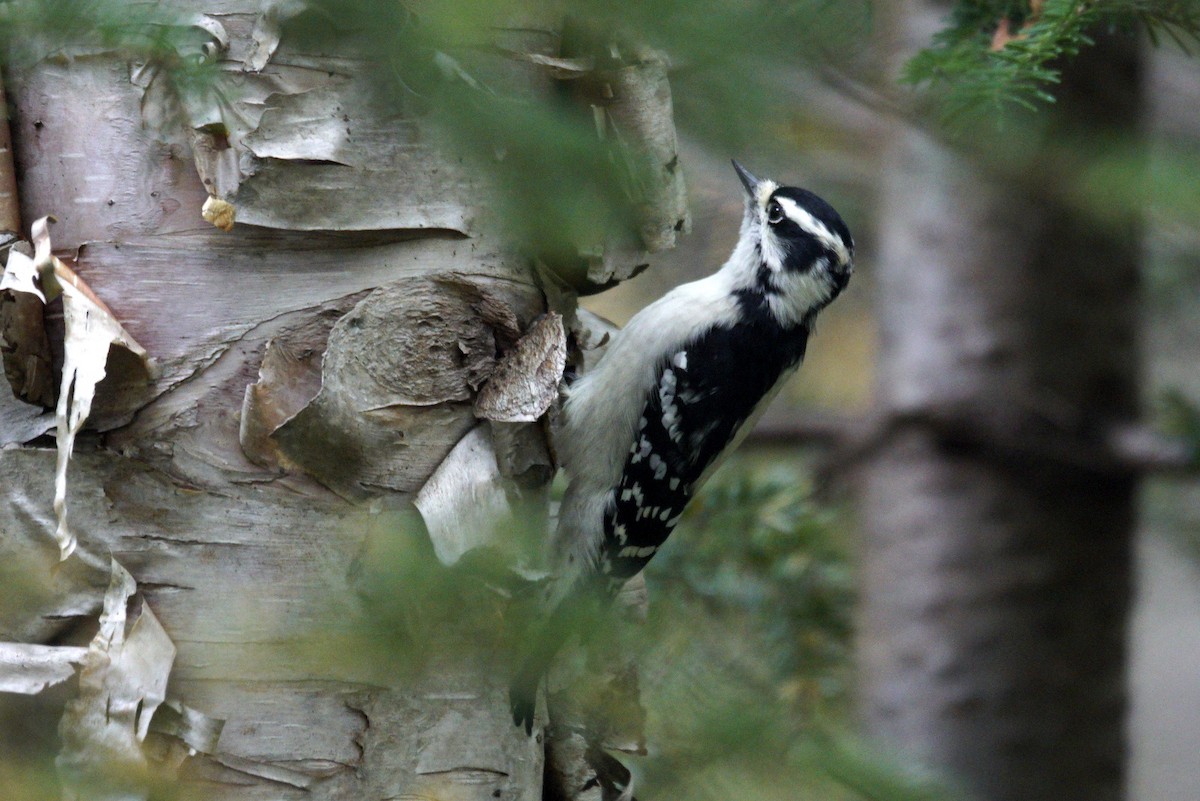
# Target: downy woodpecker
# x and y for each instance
(675, 392)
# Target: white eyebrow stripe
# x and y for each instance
(815, 227)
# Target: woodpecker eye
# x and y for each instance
(774, 213)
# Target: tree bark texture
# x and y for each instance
(311, 369)
(996, 577)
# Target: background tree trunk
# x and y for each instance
(996, 573)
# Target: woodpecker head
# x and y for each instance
(797, 251)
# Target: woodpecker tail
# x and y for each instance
(522, 695)
(542, 644)
(576, 610)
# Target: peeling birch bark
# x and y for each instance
(28, 669)
(465, 499)
(123, 680)
(525, 381)
(523, 453)
(296, 141)
(28, 360)
(288, 379)
(643, 120)
(91, 333)
(195, 731)
(340, 336)
(479, 499)
(633, 114)
(268, 28)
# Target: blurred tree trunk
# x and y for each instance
(313, 367)
(997, 568)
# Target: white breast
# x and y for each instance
(603, 407)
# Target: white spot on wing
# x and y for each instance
(658, 466)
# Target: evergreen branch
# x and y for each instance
(994, 55)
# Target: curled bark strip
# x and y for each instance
(268, 29)
(91, 332)
(198, 731)
(288, 379)
(523, 453)
(465, 498)
(24, 344)
(121, 684)
(28, 668)
(525, 381)
(643, 120)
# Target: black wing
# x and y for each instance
(704, 392)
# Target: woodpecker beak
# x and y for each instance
(748, 180)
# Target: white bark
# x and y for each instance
(312, 368)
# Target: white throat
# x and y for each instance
(790, 295)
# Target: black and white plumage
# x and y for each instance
(676, 390)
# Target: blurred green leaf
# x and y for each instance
(872, 773)
(756, 546)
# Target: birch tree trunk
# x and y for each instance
(276, 397)
(997, 566)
